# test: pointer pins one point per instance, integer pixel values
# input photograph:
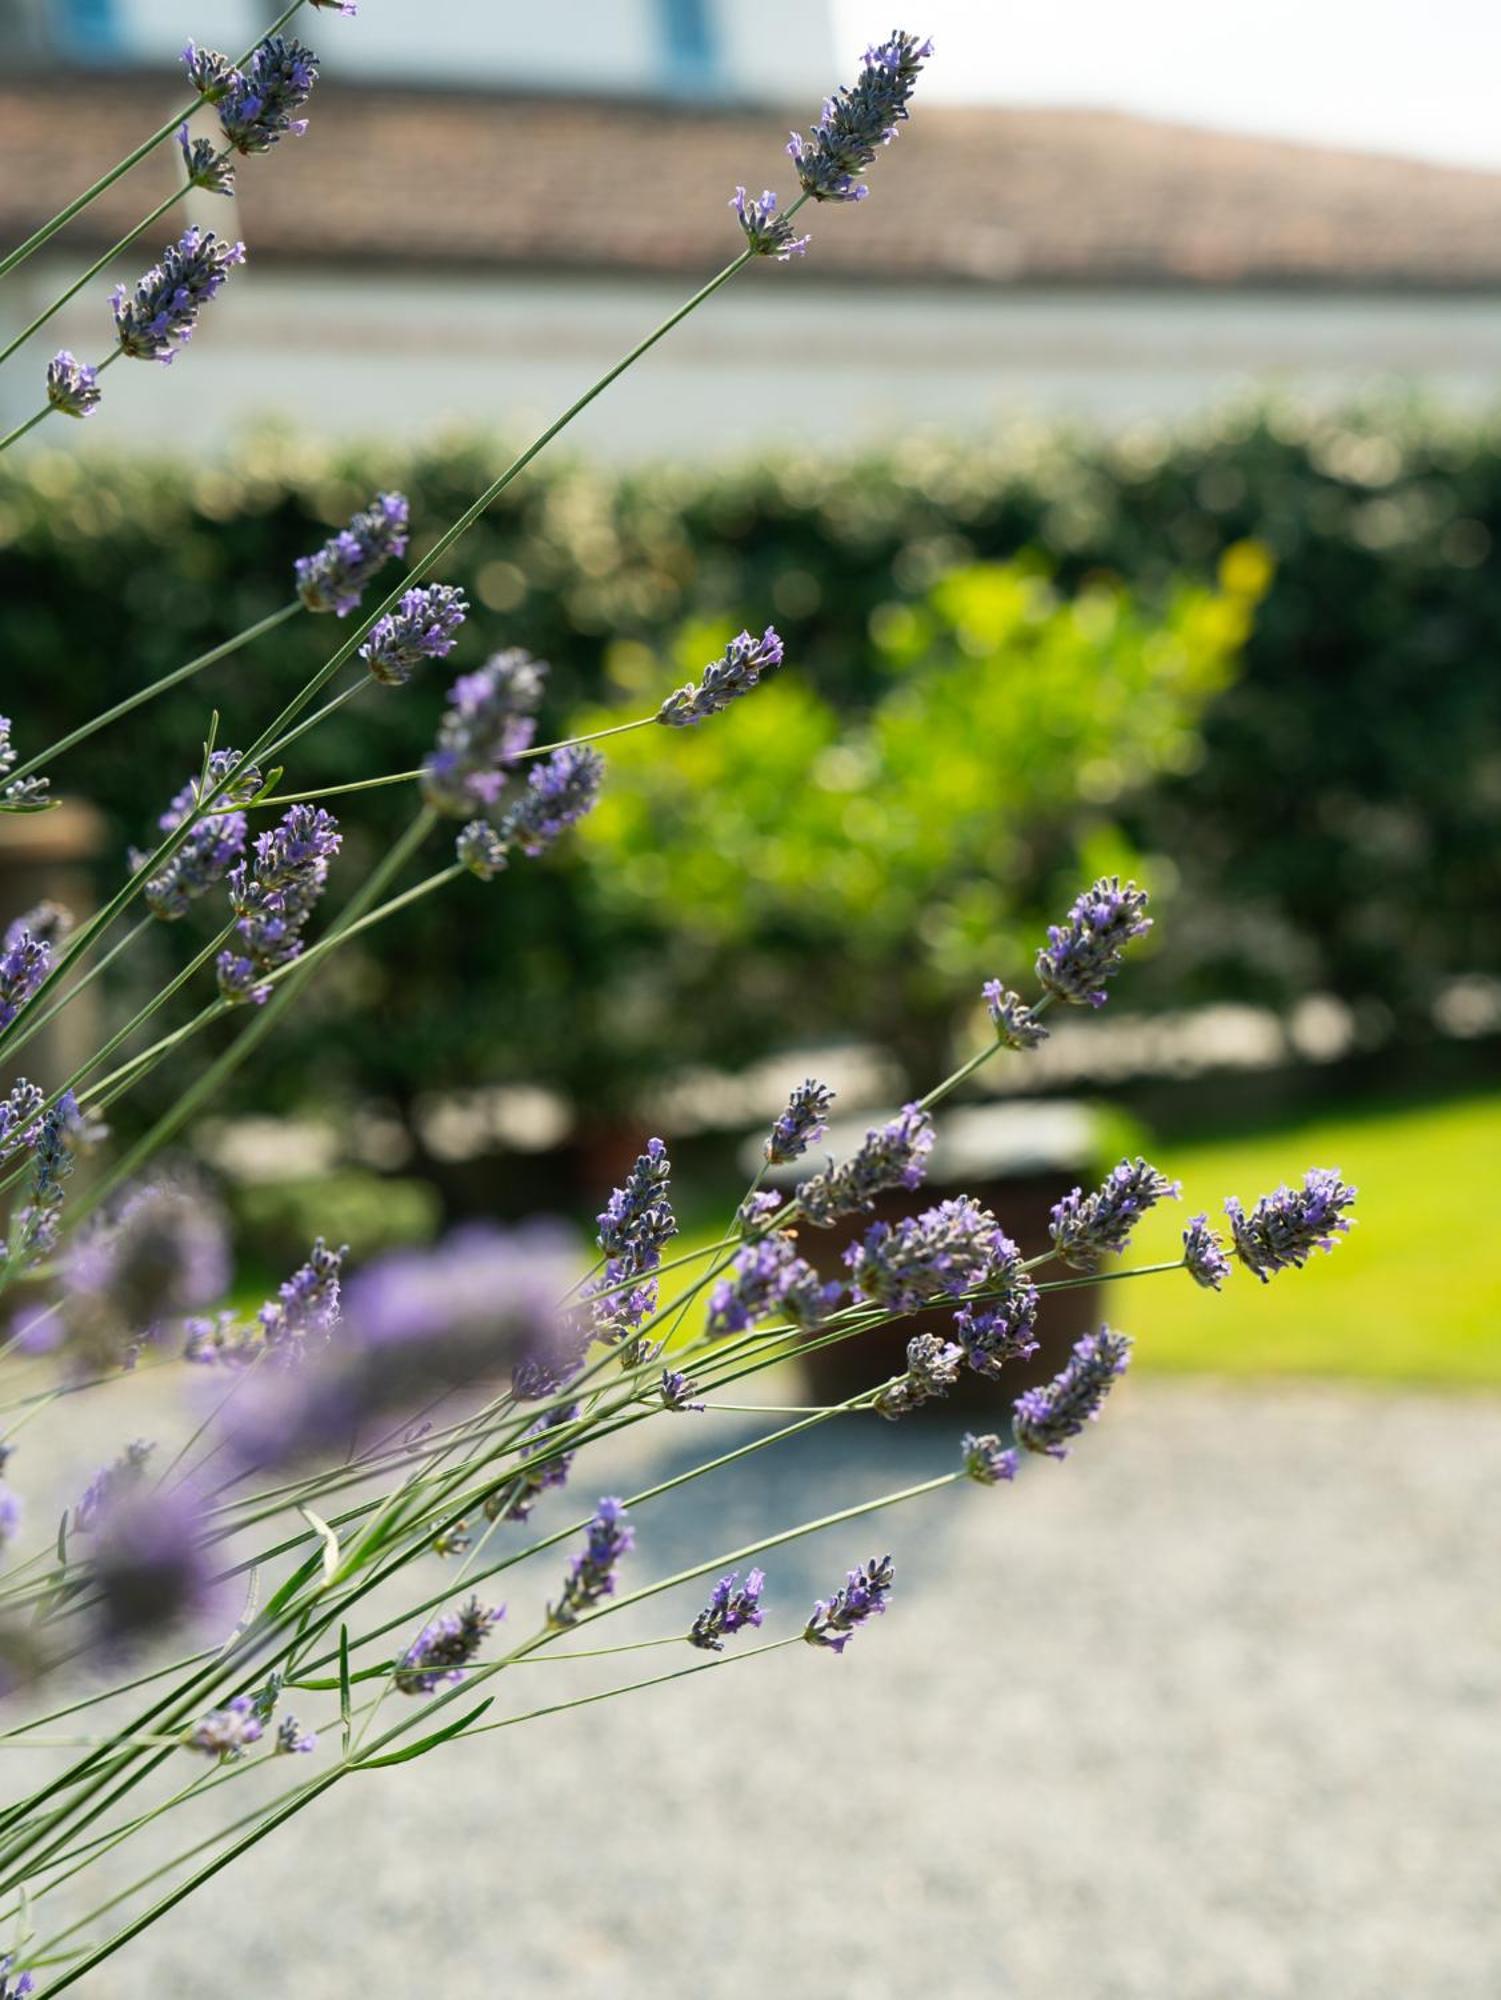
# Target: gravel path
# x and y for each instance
(1209, 1713)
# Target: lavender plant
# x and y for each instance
(349, 1435)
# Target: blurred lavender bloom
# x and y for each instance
(836, 1619)
(932, 1370)
(256, 107)
(767, 234)
(422, 627)
(738, 669)
(49, 922)
(948, 1249)
(110, 1485)
(730, 1609)
(203, 166)
(515, 1498)
(677, 1391)
(292, 1740)
(480, 849)
(592, 1577)
(165, 1253)
(18, 1116)
(805, 1119)
(57, 1139)
(1084, 954)
(72, 386)
(11, 1512)
(1287, 1226)
(1045, 1419)
(213, 846)
(442, 1650)
(986, 1460)
(1085, 1228)
(167, 301)
(14, 1985)
(1016, 1026)
(150, 1566)
(334, 577)
(21, 795)
(226, 1733)
(560, 790)
(857, 120)
(484, 730)
(891, 1155)
(767, 1279)
(1204, 1254)
(274, 899)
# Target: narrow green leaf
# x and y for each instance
(345, 1702)
(426, 1743)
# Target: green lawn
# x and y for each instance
(1412, 1294)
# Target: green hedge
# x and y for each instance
(1336, 829)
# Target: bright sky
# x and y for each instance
(1406, 76)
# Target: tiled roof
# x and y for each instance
(985, 196)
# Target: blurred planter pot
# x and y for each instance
(1018, 1159)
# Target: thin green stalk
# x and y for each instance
(48, 230)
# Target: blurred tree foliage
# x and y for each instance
(948, 743)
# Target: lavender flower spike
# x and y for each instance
(485, 729)
(635, 1226)
(1001, 1327)
(166, 303)
(730, 1609)
(1016, 1025)
(1204, 1254)
(835, 1619)
(677, 1391)
(1085, 1228)
(1044, 1419)
(1081, 956)
(1285, 1228)
(442, 1650)
(422, 627)
(24, 964)
(18, 1115)
(855, 121)
(767, 234)
(480, 849)
(805, 1119)
(738, 669)
(891, 1155)
(72, 386)
(559, 792)
(226, 1733)
(274, 899)
(213, 846)
(592, 1576)
(210, 73)
(292, 1740)
(110, 1485)
(932, 1370)
(21, 794)
(333, 578)
(985, 1459)
(256, 107)
(768, 1278)
(56, 1141)
(203, 166)
(947, 1250)
(14, 1985)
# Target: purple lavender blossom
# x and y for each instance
(480, 849)
(1003, 1326)
(256, 107)
(292, 1740)
(805, 1119)
(635, 1226)
(1204, 1254)
(50, 924)
(57, 1139)
(1287, 1226)
(213, 846)
(305, 1310)
(592, 1576)
(484, 731)
(18, 1116)
(1084, 954)
(1016, 1025)
(150, 1566)
(226, 1733)
(21, 795)
(891, 1155)
(11, 1512)
(72, 385)
(442, 1650)
(14, 1985)
(1085, 1228)
(730, 1609)
(677, 1392)
(1043, 1420)
(767, 1279)
(767, 234)
(835, 1619)
(932, 1370)
(203, 166)
(986, 1460)
(167, 301)
(209, 72)
(755, 1214)
(334, 577)
(947, 1250)
(110, 1485)
(422, 627)
(548, 1468)
(738, 669)
(560, 790)
(274, 900)
(857, 120)
(24, 964)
